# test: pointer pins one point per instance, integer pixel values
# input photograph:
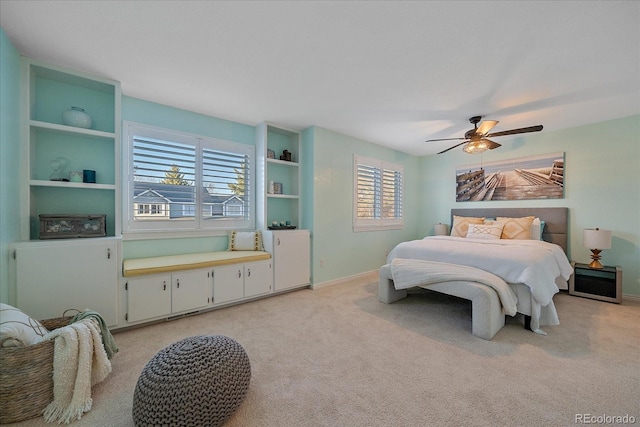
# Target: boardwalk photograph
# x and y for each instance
(538, 177)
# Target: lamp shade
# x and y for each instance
(594, 238)
(440, 229)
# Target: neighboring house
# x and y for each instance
(156, 201)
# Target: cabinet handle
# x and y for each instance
(278, 241)
(108, 253)
(164, 285)
(248, 272)
(239, 274)
(177, 283)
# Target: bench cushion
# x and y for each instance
(164, 264)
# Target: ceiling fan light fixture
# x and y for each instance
(475, 147)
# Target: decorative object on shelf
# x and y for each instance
(68, 226)
(598, 239)
(277, 188)
(282, 227)
(77, 117)
(89, 176)
(286, 156)
(271, 187)
(440, 229)
(57, 165)
(271, 154)
(75, 176)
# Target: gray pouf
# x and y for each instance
(199, 381)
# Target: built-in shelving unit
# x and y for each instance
(274, 206)
(48, 91)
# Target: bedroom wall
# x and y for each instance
(335, 245)
(9, 155)
(602, 188)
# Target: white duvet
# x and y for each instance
(534, 263)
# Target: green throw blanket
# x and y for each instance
(107, 339)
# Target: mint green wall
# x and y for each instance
(9, 155)
(602, 188)
(140, 111)
(346, 253)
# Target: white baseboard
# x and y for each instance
(366, 276)
(630, 297)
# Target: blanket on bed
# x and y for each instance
(79, 361)
(407, 273)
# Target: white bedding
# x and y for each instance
(535, 263)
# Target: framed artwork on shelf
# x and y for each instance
(271, 154)
(277, 188)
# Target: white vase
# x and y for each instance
(76, 116)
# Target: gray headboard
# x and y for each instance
(556, 220)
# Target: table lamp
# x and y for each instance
(599, 239)
(441, 229)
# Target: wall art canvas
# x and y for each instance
(526, 178)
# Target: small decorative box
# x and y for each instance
(64, 226)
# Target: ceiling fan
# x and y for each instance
(477, 139)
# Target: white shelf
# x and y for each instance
(282, 162)
(282, 196)
(66, 184)
(70, 129)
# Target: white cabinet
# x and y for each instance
(235, 282)
(53, 276)
(291, 251)
(258, 278)
(161, 295)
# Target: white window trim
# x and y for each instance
(186, 228)
(375, 224)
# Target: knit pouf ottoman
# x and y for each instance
(199, 381)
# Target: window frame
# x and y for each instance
(379, 222)
(133, 229)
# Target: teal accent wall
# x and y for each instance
(344, 252)
(602, 188)
(9, 158)
(150, 113)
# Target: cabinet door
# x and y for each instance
(228, 283)
(190, 290)
(52, 277)
(258, 278)
(291, 258)
(148, 297)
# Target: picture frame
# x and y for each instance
(271, 154)
(277, 188)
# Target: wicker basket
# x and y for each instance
(26, 377)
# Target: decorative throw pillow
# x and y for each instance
(460, 225)
(487, 232)
(516, 228)
(245, 241)
(17, 329)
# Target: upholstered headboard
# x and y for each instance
(556, 220)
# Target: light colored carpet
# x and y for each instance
(337, 357)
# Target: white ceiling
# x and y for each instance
(394, 73)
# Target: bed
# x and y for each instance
(532, 270)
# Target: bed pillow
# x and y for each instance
(17, 329)
(516, 228)
(485, 231)
(537, 227)
(460, 226)
(245, 241)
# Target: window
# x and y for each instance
(377, 194)
(181, 182)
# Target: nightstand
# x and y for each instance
(603, 284)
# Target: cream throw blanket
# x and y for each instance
(407, 273)
(79, 361)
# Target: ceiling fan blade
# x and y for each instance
(486, 126)
(445, 139)
(516, 131)
(451, 148)
(491, 144)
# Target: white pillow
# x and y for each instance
(485, 231)
(17, 329)
(536, 232)
(245, 241)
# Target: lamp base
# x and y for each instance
(595, 259)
